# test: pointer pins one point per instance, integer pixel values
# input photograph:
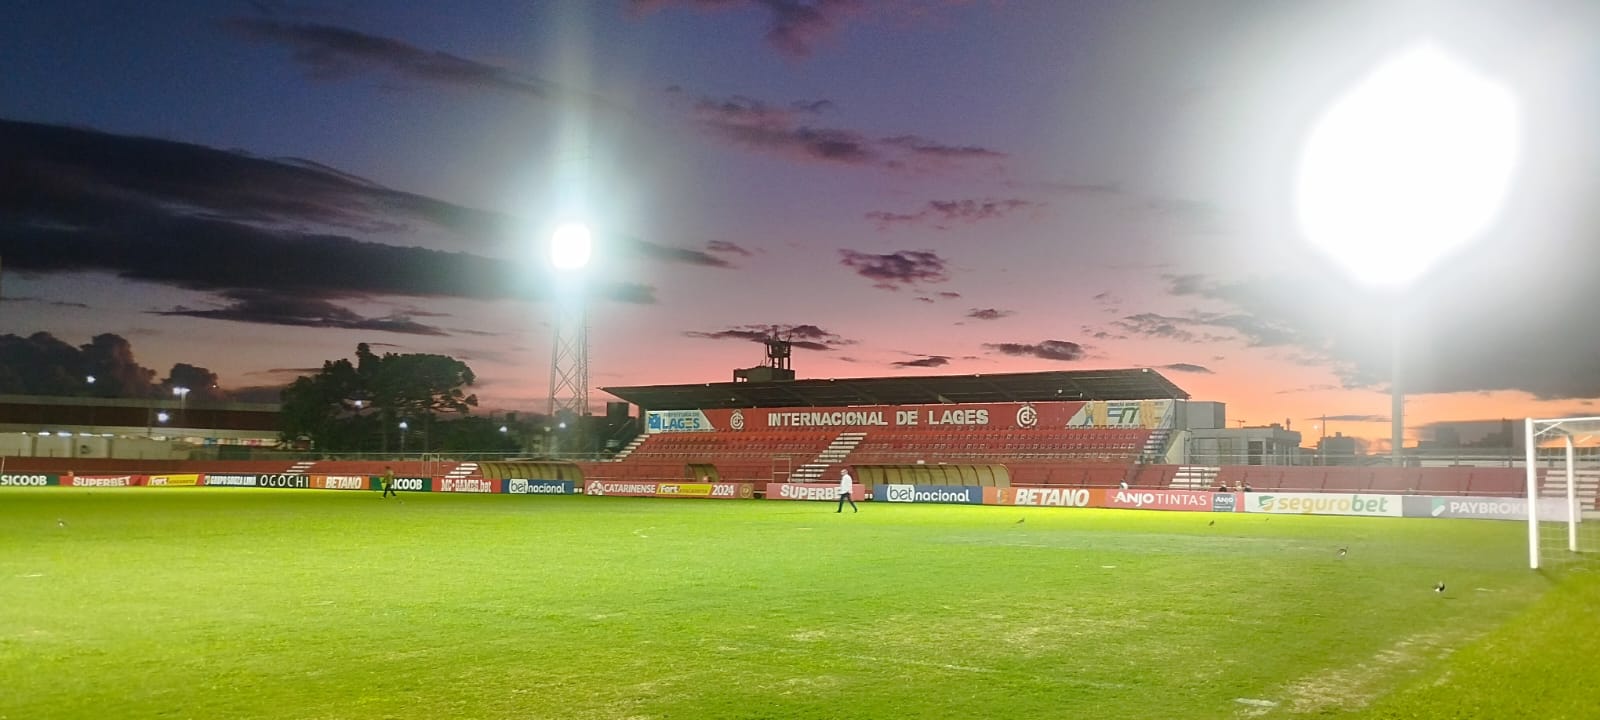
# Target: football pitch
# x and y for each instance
(233, 603)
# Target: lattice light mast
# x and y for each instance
(570, 248)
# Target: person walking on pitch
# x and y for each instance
(386, 480)
(846, 490)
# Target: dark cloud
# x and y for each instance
(269, 308)
(43, 301)
(1199, 327)
(988, 313)
(893, 270)
(666, 253)
(794, 26)
(1062, 350)
(805, 337)
(330, 52)
(788, 131)
(724, 247)
(1188, 368)
(924, 362)
(779, 130)
(949, 211)
(1107, 298)
(921, 146)
(193, 217)
(949, 295)
(1354, 418)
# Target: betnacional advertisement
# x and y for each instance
(811, 491)
(945, 494)
(517, 486)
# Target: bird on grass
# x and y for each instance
(1439, 588)
(1019, 522)
(1209, 524)
(1343, 552)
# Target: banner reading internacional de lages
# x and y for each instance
(976, 416)
(811, 491)
(1323, 504)
(640, 488)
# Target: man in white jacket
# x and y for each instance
(846, 491)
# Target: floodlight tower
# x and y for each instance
(570, 248)
(1409, 164)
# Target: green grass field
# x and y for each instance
(224, 603)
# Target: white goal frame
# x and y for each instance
(1534, 430)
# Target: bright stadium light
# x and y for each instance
(162, 416)
(571, 246)
(1412, 162)
(1408, 165)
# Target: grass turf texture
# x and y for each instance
(209, 603)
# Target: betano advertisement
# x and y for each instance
(811, 491)
(984, 416)
(634, 488)
(1039, 496)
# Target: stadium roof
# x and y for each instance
(1129, 384)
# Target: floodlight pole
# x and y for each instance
(1531, 459)
(1397, 398)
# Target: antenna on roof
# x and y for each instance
(776, 367)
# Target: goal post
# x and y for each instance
(1555, 514)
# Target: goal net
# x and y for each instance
(1563, 469)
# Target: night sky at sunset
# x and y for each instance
(908, 187)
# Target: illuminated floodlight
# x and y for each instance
(571, 246)
(1412, 162)
(162, 416)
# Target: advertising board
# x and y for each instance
(102, 480)
(1323, 504)
(518, 486)
(1192, 500)
(28, 479)
(943, 494)
(1040, 496)
(1484, 508)
(811, 491)
(634, 488)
